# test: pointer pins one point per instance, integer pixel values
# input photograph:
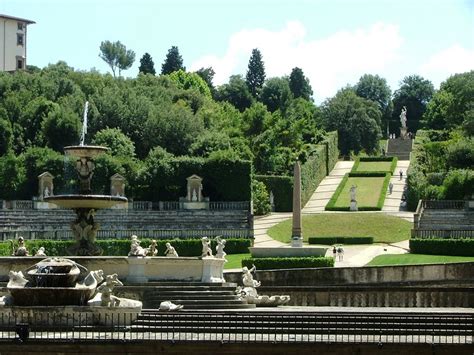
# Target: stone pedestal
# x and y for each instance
(297, 242)
(403, 132)
(353, 206)
(136, 270)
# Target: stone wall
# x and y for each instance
(437, 273)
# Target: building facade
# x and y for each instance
(13, 31)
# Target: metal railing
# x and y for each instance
(243, 327)
(442, 233)
(66, 234)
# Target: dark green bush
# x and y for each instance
(458, 184)
(340, 240)
(435, 179)
(437, 246)
(260, 198)
(282, 188)
(288, 262)
(121, 247)
(461, 154)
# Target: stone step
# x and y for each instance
(159, 297)
(214, 306)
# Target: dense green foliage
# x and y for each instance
(282, 189)
(340, 240)
(441, 167)
(121, 247)
(116, 55)
(299, 84)
(261, 199)
(288, 262)
(460, 247)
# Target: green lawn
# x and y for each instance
(375, 166)
(233, 260)
(411, 259)
(383, 228)
(368, 191)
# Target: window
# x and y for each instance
(19, 39)
(20, 26)
(19, 64)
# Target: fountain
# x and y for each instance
(85, 204)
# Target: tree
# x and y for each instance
(276, 94)
(146, 65)
(207, 74)
(173, 61)
(414, 93)
(190, 81)
(356, 120)
(61, 128)
(299, 84)
(375, 88)
(235, 92)
(117, 142)
(6, 136)
(452, 105)
(12, 176)
(255, 73)
(116, 56)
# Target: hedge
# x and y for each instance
(318, 165)
(121, 247)
(437, 246)
(330, 205)
(393, 166)
(340, 240)
(282, 188)
(223, 179)
(288, 262)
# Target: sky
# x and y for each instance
(335, 42)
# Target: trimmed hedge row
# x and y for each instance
(288, 262)
(331, 204)
(393, 165)
(439, 246)
(340, 240)
(319, 164)
(282, 188)
(121, 247)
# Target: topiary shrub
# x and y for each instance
(340, 240)
(260, 198)
(439, 246)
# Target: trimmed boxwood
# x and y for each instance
(340, 240)
(121, 247)
(331, 204)
(440, 246)
(393, 165)
(288, 262)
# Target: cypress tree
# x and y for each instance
(173, 61)
(146, 65)
(256, 73)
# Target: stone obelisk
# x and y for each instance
(296, 234)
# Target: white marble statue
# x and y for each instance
(353, 191)
(206, 247)
(21, 250)
(41, 252)
(220, 253)
(403, 117)
(170, 252)
(249, 294)
(135, 248)
(169, 306)
(106, 289)
(46, 192)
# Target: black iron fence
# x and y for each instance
(243, 327)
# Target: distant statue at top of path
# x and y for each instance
(403, 117)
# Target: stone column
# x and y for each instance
(296, 234)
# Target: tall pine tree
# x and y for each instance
(173, 61)
(299, 84)
(146, 65)
(256, 73)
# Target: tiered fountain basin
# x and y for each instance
(86, 201)
(135, 270)
(85, 151)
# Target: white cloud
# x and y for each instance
(330, 63)
(447, 62)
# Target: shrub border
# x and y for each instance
(288, 262)
(442, 246)
(340, 240)
(380, 202)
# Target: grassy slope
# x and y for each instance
(410, 259)
(374, 166)
(383, 228)
(368, 191)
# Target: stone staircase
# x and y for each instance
(446, 219)
(192, 295)
(399, 148)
